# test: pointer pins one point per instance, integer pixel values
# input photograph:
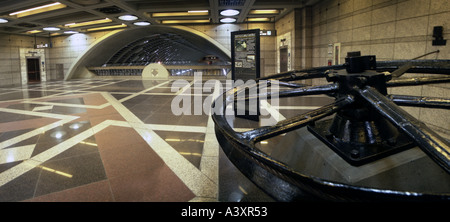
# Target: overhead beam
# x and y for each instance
(214, 10)
(245, 10)
(133, 10)
(20, 4)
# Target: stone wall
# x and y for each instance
(389, 29)
(10, 56)
(66, 49)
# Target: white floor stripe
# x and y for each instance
(195, 180)
(142, 92)
(209, 164)
(203, 183)
(16, 154)
(18, 170)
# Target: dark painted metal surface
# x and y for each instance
(417, 81)
(417, 66)
(420, 101)
(358, 95)
(430, 142)
(296, 122)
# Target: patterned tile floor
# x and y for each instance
(98, 140)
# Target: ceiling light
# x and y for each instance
(228, 20)
(174, 14)
(39, 9)
(128, 17)
(33, 31)
(3, 20)
(141, 23)
(71, 32)
(264, 11)
(51, 29)
(229, 12)
(197, 11)
(258, 19)
(107, 27)
(94, 22)
(185, 21)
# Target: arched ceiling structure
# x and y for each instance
(166, 46)
(142, 46)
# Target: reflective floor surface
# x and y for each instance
(96, 140)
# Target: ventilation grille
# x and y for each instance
(231, 3)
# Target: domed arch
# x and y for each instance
(141, 46)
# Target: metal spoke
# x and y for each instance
(401, 70)
(296, 122)
(302, 91)
(311, 90)
(289, 84)
(430, 142)
(420, 101)
(295, 75)
(317, 72)
(417, 81)
(417, 66)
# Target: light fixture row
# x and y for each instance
(229, 16)
(96, 22)
(233, 12)
(229, 13)
(38, 9)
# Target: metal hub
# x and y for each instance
(368, 124)
(358, 133)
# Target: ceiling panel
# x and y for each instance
(82, 10)
(67, 18)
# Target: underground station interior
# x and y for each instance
(224, 101)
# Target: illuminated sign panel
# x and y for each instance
(245, 66)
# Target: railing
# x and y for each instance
(174, 70)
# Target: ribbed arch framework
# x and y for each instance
(169, 48)
(141, 46)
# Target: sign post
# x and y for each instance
(245, 68)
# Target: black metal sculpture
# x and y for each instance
(367, 125)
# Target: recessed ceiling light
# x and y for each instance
(71, 32)
(228, 20)
(33, 31)
(94, 22)
(51, 29)
(179, 14)
(229, 12)
(258, 19)
(39, 9)
(107, 27)
(3, 20)
(198, 11)
(265, 11)
(141, 23)
(185, 21)
(128, 17)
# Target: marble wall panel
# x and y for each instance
(400, 29)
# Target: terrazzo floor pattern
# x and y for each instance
(96, 140)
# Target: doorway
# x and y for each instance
(283, 59)
(33, 70)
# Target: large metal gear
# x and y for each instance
(368, 125)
